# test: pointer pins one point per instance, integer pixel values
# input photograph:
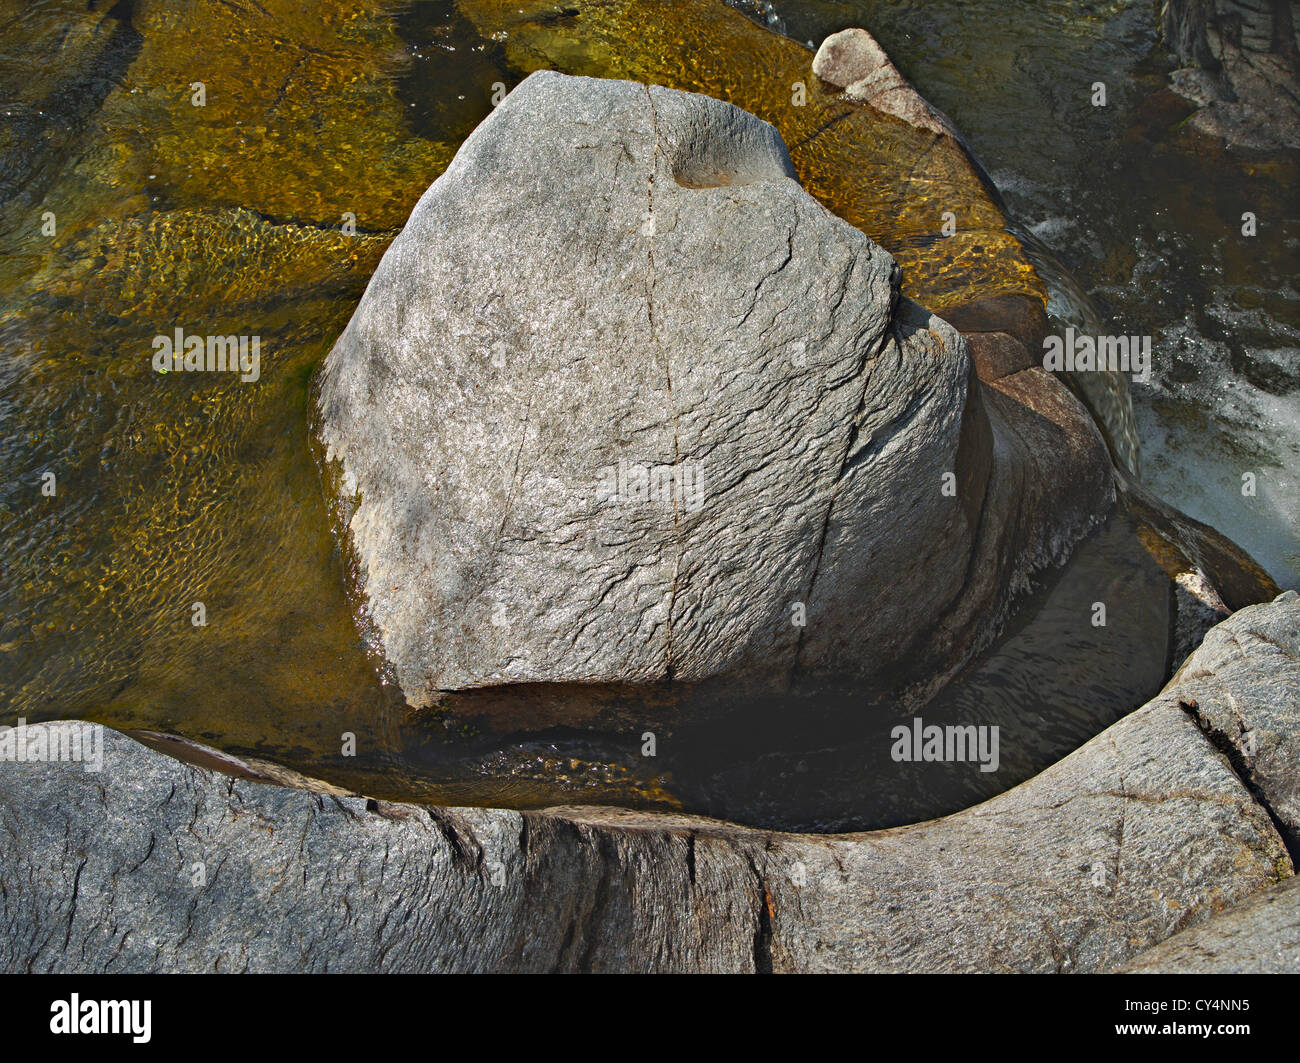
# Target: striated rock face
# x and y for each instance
(1241, 64)
(156, 865)
(623, 404)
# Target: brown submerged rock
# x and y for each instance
(997, 354)
(852, 60)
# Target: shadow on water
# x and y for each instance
(1052, 681)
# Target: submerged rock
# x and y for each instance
(624, 404)
(156, 865)
(852, 60)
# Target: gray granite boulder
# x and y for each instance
(153, 864)
(623, 404)
(602, 393)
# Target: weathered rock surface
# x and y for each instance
(1241, 66)
(1258, 936)
(663, 300)
(1253, 718)
(997, 354)
(157, 865)
(648, 292)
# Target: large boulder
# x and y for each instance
(151, 864)
(624, 405)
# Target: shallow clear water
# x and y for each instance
(236, 217)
